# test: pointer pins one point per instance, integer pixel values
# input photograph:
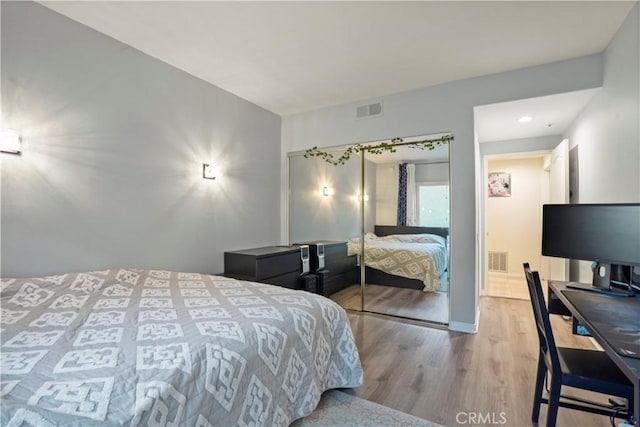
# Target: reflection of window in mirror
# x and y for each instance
(433, 204)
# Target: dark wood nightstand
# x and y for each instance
(275, 265)
(342, 269)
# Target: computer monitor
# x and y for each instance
(604, 233)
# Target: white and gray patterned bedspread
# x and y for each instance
(140, 347)
(410, 256)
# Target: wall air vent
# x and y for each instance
(498, 262)
(369, 110)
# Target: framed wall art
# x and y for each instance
(499, 184)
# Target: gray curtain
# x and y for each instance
(402, 194)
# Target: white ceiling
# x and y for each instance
(290, 57)
(551, 115)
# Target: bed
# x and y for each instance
(149, 347)
(407, 257)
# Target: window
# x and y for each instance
(433, 204)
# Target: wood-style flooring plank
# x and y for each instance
(410, 303)
(438, 374)
(507, 286)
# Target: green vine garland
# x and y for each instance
(427, 144)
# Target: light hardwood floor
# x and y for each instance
(502, 285)
(411, 303)
(436, 374)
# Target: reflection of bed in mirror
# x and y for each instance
(406, 257)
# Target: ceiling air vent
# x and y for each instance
(369, 110)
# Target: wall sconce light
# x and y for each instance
(327, 191)
(208, 171)
(10, 142)
(359, 197)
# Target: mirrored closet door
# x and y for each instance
(324, 212)
(402, 215)
(407, 251)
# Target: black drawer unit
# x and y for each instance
(276, 265)
(342, 269)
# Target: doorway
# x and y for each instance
(513, 217)
(523, 128)
(517, 187)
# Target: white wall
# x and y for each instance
(514, 224)
(442, 108)
(607, 132)
(524, 145)
(387, 194)
(111, 172)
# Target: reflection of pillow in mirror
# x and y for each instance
(417, 238)
(371, 236)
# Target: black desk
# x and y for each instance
(602, 328)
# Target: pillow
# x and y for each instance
(417, 238)
(367, 237)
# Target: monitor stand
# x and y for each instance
(601, 282)
(601, 275)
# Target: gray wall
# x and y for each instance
(443, 108)
(435, 172)
(337, 217)
(607, 132)
(114, 145)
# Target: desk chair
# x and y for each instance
(585, 369)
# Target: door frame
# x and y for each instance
(482, 234)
